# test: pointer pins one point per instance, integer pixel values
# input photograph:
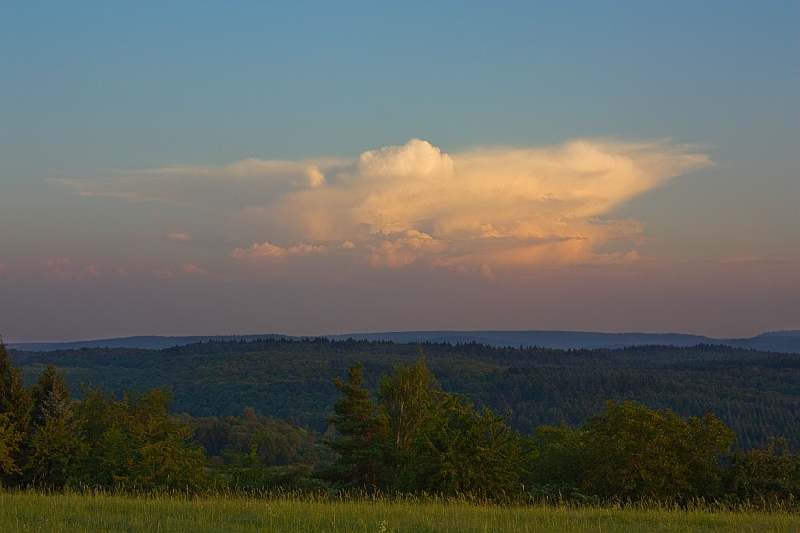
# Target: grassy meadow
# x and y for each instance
(103, 512)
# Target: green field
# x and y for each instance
(26, 511)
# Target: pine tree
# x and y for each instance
(55, 445)
(50, 397)
(362, 436)
(14, 415)
(14, 399)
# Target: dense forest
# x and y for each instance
(756, 394)
(406, 436)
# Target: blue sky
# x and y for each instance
(622, 166)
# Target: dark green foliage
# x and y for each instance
(420, 439)
(406, 401)
(14, 398)
(135, 444)
(97, 441)
(363, 436)
(258, 453)
(50, 397)
(626, 452)
(417, 437)
(9, 446)
(14, 415)
(277, 442)
(249, 473)
(461, 451)
(631, 452)
(756, 394)
(54, 445)
(406, 398)
(770, 474)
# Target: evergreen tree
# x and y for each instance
(135, 444)
(50, 397)
(14, 399)
(54, 446)
(14, 415)
(363, 435)
(9, 444)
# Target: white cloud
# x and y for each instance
(476, 209)
(315, 176)
(485, 206)
(416, 159)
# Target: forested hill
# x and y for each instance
(774, 341)
(757, 394)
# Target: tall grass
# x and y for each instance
(104, 512)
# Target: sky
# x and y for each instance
(210, 168)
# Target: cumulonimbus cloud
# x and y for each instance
(413, 203)
(404, 204)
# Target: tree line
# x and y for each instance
(409, 436)
(756, 394)
(418, 439)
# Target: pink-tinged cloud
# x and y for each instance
(270, 251)
(3, 267)
(400, 249)
(64, 269)
(177, 237)
(60, 262)
(399, 205)
(485, 272)
(194, 270)
(163, 273)
(513, 207)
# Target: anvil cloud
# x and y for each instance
(398, 205)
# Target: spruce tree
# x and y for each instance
(14, 415)
(55, 446)
(14, 399)
(362, 436)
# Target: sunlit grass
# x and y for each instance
(101, 512)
